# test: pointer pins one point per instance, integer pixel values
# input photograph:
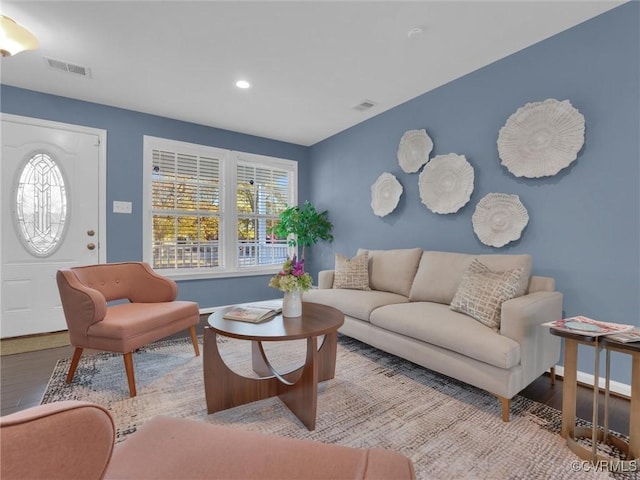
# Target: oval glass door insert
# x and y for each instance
(41, 205)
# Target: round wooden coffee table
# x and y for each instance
(298, 389)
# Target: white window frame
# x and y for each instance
(229, 160)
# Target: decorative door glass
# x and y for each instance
(41, 205)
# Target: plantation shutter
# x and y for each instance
(263, 191)
(186, 210)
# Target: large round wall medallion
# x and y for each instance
(446, 183)
(414, 149)
(499, 218)
(541, 138)
(385, 194)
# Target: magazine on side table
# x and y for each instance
(627, 337)
(587, 326)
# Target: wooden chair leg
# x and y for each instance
(77, 353)
(194, 340)
(128, 366)
(506, 404)
(552, 374)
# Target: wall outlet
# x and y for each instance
(122, 207)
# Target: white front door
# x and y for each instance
(50, 206)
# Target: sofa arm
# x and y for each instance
(61, 440)
(83, 306)
(325, 278)
(150, 287)
(521, 319)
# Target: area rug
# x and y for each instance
(448, 429)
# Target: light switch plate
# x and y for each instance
(122, 207)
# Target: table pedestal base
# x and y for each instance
(297, 389)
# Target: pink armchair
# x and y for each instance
(74, 440)
(63, 440)
(151, 313)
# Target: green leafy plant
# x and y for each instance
(306, 224)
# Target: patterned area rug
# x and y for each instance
(448, 429)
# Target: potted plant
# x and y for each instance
(303, 226)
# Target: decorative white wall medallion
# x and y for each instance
(541, 138)
(414, 149)
(499, 219)
(385, 194)
(446, 183)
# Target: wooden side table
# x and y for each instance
(569, 429)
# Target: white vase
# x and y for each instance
(292, 304)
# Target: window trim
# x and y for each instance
(229, 160)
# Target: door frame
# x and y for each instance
(102, 171)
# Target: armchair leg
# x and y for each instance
(552, 374)
(194, 340)
(128, 366)
(506, 404)
(77, 353)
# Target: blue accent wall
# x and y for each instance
(584, 222)
(125, 132)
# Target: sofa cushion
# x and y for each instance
(352, 273)
(440, 273)
(438, 325)
(393, 270)
(482, 291)
(354, 303)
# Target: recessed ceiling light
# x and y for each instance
(243, 84)
(415, 31)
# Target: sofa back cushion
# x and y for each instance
(393, 270)
(440, 273)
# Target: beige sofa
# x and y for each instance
(407, 313)
(75, 440)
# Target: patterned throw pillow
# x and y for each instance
(352, 273)
(482, 291)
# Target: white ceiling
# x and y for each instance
(310, 62)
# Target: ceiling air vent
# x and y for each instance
(364, 105)
(68, 67)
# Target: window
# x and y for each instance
(208, 210)
(41, 205)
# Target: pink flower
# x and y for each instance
(297, 268)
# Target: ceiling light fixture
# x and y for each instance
(243, 84)
(15, 38)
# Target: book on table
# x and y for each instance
(588, 326)
(254, 313)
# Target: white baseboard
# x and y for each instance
(587, 378)
(204, 311)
